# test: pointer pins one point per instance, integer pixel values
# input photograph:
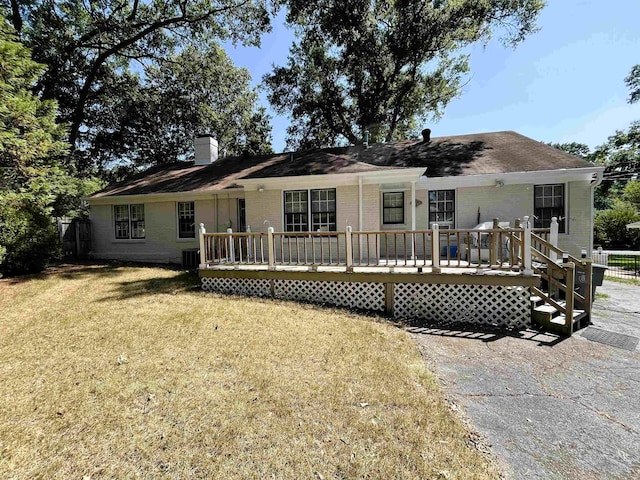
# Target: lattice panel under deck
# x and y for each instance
(484, 305)
(252, 287)
(365, 296)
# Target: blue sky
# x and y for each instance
(562, 84)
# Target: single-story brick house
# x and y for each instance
(455, 181)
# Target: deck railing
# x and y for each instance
(495, 248)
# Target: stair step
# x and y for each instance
(536, 300)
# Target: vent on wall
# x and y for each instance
(190, 258)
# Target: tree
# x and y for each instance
(382, 66)
(610, 226)
(29, 146)
(193, 92)
(633, 82)
(574, 148)
(89, 47)
(29, 135)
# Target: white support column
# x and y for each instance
(249, 244)
(526, 260)
(553, 238)
(435, 247)
(413, 219)
(271, 249)
(360, 218)
(203, 251)
(230, 256)
(348, 248)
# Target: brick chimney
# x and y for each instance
(206, 150)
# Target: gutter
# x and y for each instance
(594, 183)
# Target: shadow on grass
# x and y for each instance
(184, 282)
(486, 335)
(69, 271)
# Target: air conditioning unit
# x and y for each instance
(190, 258)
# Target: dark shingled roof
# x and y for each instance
(496, 152)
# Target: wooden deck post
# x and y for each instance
(271, 251)
(231, 256)
(570, 268)
(526, 248)
(435, 249)
(493, 244)
(203, 250)
(553, 238)
(388, 298)
(588, 292)
(348, 247)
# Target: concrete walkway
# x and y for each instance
(551, 408)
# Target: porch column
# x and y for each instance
(413, 219)
(360, 218)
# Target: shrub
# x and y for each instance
(610, 226)
(28, 237)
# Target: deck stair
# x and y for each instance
(552, 319)
(557, 305)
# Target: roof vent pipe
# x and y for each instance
(366, 138)
(206, 148)
(426, 135)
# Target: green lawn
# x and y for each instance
(126, 372)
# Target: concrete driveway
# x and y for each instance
(551, 408)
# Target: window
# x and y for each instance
(242, 215)
(549, 202)
(322, 206)
(442, 208)
(129, 221)
(186, 220)
(393, 207)
(296, 208)
(323, 210)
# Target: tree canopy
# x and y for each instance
(97, 53)
(382, 66)
(633, 82)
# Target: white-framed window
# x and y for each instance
(392, 208)
(548, 202)
(442, 208)
(296, 211)
(186, 220)
(129, 221)
(242, 215)
(321, 210)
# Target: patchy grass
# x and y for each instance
(626, 280)
(601, 295)
(131, 372)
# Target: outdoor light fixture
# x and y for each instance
(261, 188)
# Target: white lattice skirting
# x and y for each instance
(495, 306)
(364, 296)
(485, 305)
(252, 287)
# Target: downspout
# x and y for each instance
(215, 213)
(413, 216)
(360, 219)
(594, 183)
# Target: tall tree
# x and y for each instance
(193, 92)
(633, 82)
(574, 148)
(380, 65)
(89, 45)
(29, 145)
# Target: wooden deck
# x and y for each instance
(487, 277)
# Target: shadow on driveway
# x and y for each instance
(552, 407)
